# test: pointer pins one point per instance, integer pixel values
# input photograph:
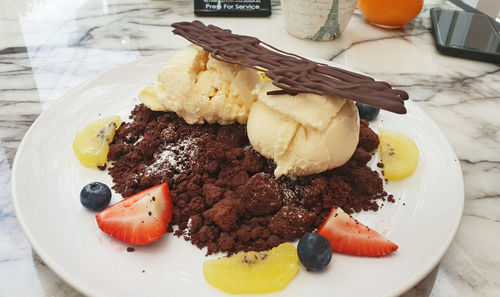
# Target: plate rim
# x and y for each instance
(51, 263)
(87, 290)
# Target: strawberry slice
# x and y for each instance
(347, 235)
(139, 219)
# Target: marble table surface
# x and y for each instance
(48, 47)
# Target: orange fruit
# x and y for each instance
(390, 13)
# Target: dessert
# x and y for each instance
(301, 158)
(398, 153)
(140, 219)
(347, 235)
(227, 196)
(91, 144)
(253, 272)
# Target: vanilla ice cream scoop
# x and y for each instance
(202, 89)
(305, 133)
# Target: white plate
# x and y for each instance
(47, 179)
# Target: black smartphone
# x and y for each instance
(466, 35)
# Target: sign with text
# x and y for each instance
(232, 7)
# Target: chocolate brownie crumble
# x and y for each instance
(225, 196)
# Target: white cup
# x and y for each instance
(317, 19)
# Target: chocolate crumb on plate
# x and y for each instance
(224, 194)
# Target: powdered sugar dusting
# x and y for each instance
(174, 156)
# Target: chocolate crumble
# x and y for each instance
(224, 194)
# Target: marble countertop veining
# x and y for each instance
(48, 47)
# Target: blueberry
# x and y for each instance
(314, 251)
(367, 112)
(95, 196)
